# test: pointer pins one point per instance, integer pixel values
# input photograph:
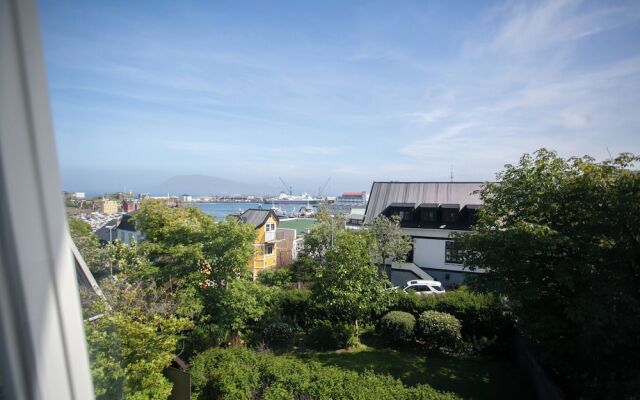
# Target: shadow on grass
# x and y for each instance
(470, 378)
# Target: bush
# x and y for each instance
(397, 327)
(330, 336)
(483, 316)
(279, 277)
(277, 334)
(243, 374)
(439, 331)
(295, 306)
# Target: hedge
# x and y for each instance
(243, 374)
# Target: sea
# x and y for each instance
(221, 210)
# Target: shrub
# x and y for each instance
(439, 331)
(277, 334)
(240, 374)
(295, 306)
(326, 335)
(484, 318)
(397, 327)
(279, 277)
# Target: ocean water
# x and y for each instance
(221, 210)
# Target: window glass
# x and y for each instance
(451, 253)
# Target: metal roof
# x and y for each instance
(384, 194)
(256, 217)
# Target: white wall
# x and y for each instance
(429, 253)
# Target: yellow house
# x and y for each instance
(109, 207)
(265, 223)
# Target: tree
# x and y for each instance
(390, 240)
(237, 306)
(349, 287)
(131, 340)
(561, 239)
(191, 247)
(88, 245)
(321, 236)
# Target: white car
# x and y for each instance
(424, 287)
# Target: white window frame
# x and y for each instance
(42, 344)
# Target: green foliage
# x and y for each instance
(560, 238)
(397, 327)
(278, 334)
(132, 341)
(242, 374)
(129, 260)
(295, 306)
(190, 246)
(88, 245)
(327, 335)
(279, 277)
(349, 288)
(239, 305)
(439, 331)
(389, 238)
(486, 323)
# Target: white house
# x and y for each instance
(127, 231)
(430, 213)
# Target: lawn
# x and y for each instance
(469, 378)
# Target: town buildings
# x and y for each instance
(109, 207)
(127, 231)
(290, 235)
(266, 223)
(430, 213)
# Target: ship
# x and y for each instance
(284, 198)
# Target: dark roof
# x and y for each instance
(107, 231)
(428, 205)
(127, 224)
(256, 217)
(454, 206)
(403, 205)
(384, 194)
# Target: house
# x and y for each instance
(266, 223)
(109, 207)
(109, 231)
(430, 212)
(129, 206)
(347, 202)
(127, 231)
(290, 235)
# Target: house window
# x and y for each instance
(428, 215)
(449, 215)
(271, 227)
(268, 249)
(452, 254)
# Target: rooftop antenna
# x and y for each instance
(451, 176)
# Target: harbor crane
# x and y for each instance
(287, 188)
(322, 188)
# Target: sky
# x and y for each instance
(353, 90)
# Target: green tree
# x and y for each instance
(190, 247)
(131, 340)
(88, 245)
(322, 235)
(237, 306)
(349, 287)
(390, 240)
(561, 239)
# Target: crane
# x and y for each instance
(322, 188)
(287, 188)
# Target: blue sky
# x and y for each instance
(356, 91)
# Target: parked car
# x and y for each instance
(424, 287)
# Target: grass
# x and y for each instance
(469, 378)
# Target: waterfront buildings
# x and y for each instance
(430, 212)
(266, 223)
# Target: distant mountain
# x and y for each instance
(203, 185)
